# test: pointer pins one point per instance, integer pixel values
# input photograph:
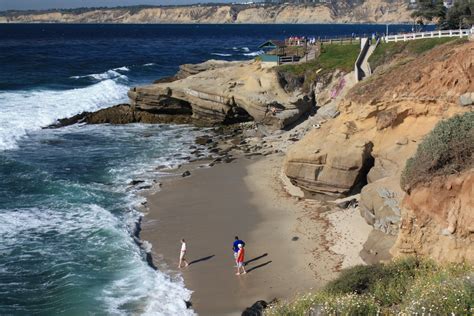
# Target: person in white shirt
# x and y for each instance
(182, 255)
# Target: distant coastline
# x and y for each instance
(344, 12)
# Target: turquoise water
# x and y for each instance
(67, 216)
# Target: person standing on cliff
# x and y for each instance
(240, 260)
(235, 247)
(182, 255)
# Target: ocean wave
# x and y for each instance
(109, 74)
(137, 288)
(149, 64)
(124, 68)
(253, 54)
(25, 111)
(221, 54)
(246, 49)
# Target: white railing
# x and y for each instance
(434, 34)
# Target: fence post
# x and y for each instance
(439, 33)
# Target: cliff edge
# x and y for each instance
(382, 121)
(377, 11)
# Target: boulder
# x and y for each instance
(256, 309)
(466, 99)
(330, 170)
(380, 204)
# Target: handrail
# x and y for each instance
(432, 34)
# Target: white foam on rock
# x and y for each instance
(253, 54)
(22, 112)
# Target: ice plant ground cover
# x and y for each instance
(409, 286)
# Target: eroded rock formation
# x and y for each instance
(391, 122)
(228, 93)
(438, 219)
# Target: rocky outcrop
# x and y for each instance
(123, 114)
(330, 158)
(225, 94)
(379, 11)
(438, 220)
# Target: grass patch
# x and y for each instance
(407, 286)
(387, 52)
(446, 150)
(332, 57)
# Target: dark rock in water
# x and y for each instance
(124, 114)
(144, 187)
(187, 173)
(189, 304)
(203, 140)
(256, 309)
(149, 260)
(135, 182)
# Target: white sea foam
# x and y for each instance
(22, 112)
(149, 64)
(109, 74)
(124, 68)
(253, 54)
(221, 54)
(137, 289)
(245, 49)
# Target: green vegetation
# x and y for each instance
(460, 15)
(387, 52)
(446, 150)
(332, 57)
(407, 286)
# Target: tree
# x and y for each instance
(459, 15)
(430, 10)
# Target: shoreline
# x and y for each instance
(287, 246)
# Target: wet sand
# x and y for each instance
(286, 250)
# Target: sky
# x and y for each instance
(61, 4)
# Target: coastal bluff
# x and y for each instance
(218, 92)
(381, 123)
(347, 11)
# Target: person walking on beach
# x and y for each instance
(240, 260)
(235, 247)
(182, 255)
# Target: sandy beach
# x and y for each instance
(287, 252)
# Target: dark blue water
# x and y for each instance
(66, 212)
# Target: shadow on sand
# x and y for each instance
(255, 259)
(202, 259)
(259, 266)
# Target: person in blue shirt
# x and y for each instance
(235, 247)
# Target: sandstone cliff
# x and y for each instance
(376, 11)
(224, 93)
(438, 220)
(382, 120)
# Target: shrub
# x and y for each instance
(408, 286)
(446, 150)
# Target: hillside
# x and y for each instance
(377, 11)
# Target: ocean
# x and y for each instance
(67, 211)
